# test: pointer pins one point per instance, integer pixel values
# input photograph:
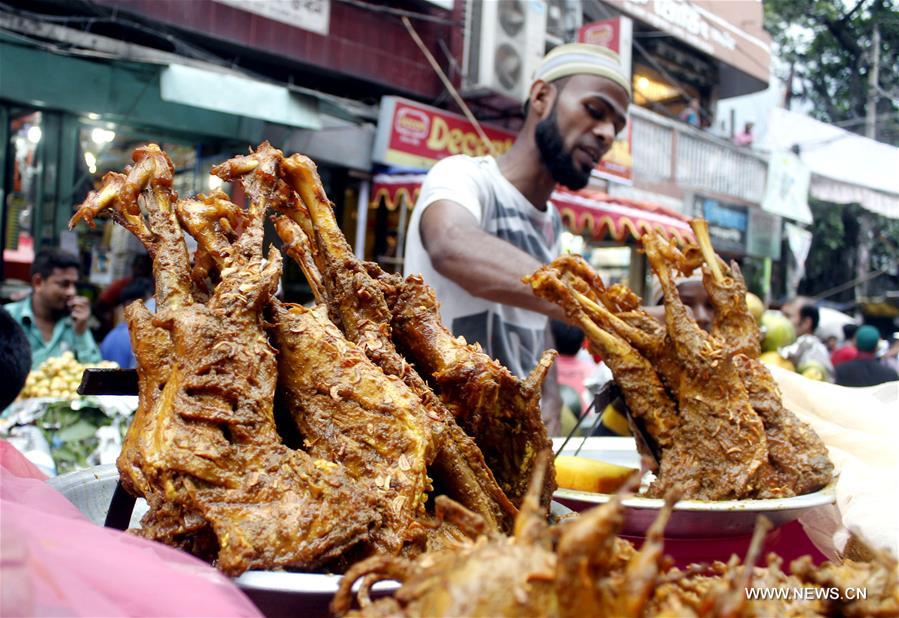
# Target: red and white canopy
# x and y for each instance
(590, 213)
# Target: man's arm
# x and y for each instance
(481, 264)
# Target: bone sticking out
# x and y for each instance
(701, 230)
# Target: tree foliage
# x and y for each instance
(833, 254)
(829, 45)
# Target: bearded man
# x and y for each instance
(482, 223)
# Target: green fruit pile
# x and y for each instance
(778, 330)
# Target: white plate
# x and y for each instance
(691, 518)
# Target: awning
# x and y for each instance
(599, 215)
(395, 187)
(229, 93)
(846, 168)
(585, 212)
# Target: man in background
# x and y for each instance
(808, 347)
(116, 346)
(691, 113)
(53, 317)
(847, 351)
(482, 223)
(745, 138)
(865, 369)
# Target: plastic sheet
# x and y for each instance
(861, 430)
(55, 562)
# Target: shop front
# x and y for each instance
(606, 230)
(410, 139)
(60, 134)
(746, 234)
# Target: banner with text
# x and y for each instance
(411, 134)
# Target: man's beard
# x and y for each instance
(557, 160)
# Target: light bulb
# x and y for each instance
(102, 136)
(34, 134)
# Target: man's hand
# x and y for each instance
(80, 310)
(480, 263)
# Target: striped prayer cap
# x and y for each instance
(582, 58)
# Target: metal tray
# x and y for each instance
(691, 518)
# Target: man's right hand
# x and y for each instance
(80, 310)
(480, 263)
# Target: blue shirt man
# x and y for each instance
(116, 346)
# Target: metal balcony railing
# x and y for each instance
(665, 150)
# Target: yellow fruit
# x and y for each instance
(773, 358)
(592, 475)
(813, 370)
(756, 306)
(615, 420)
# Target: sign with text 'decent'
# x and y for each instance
(412, 134)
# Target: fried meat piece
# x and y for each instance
(500, 411)
(209, 453)
(348, 411)
(357, 305)
(865, 588)
(577, 568)
(494, 575)
(647, 399)
(798, 459)
(721, 440)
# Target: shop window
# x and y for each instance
(23, 186)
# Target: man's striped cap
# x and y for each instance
(582, 58)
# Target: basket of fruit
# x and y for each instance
(60, 430)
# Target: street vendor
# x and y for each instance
(53, 316)
(483, 223)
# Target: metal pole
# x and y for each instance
(361, 218)
(873, 76)
(401, 235)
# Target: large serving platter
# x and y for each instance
(691, 518)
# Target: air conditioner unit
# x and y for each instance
(563, 18)
(504, 43)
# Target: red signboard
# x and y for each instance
(414, 135)
(605, 33)
(615, 34)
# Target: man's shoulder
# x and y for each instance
(18, 308)
(458, 163)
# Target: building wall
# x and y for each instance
(361, 43)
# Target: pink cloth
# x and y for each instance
(743, 139)
(57, 563)
(573, 372)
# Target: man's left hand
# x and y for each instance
(80, 310)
